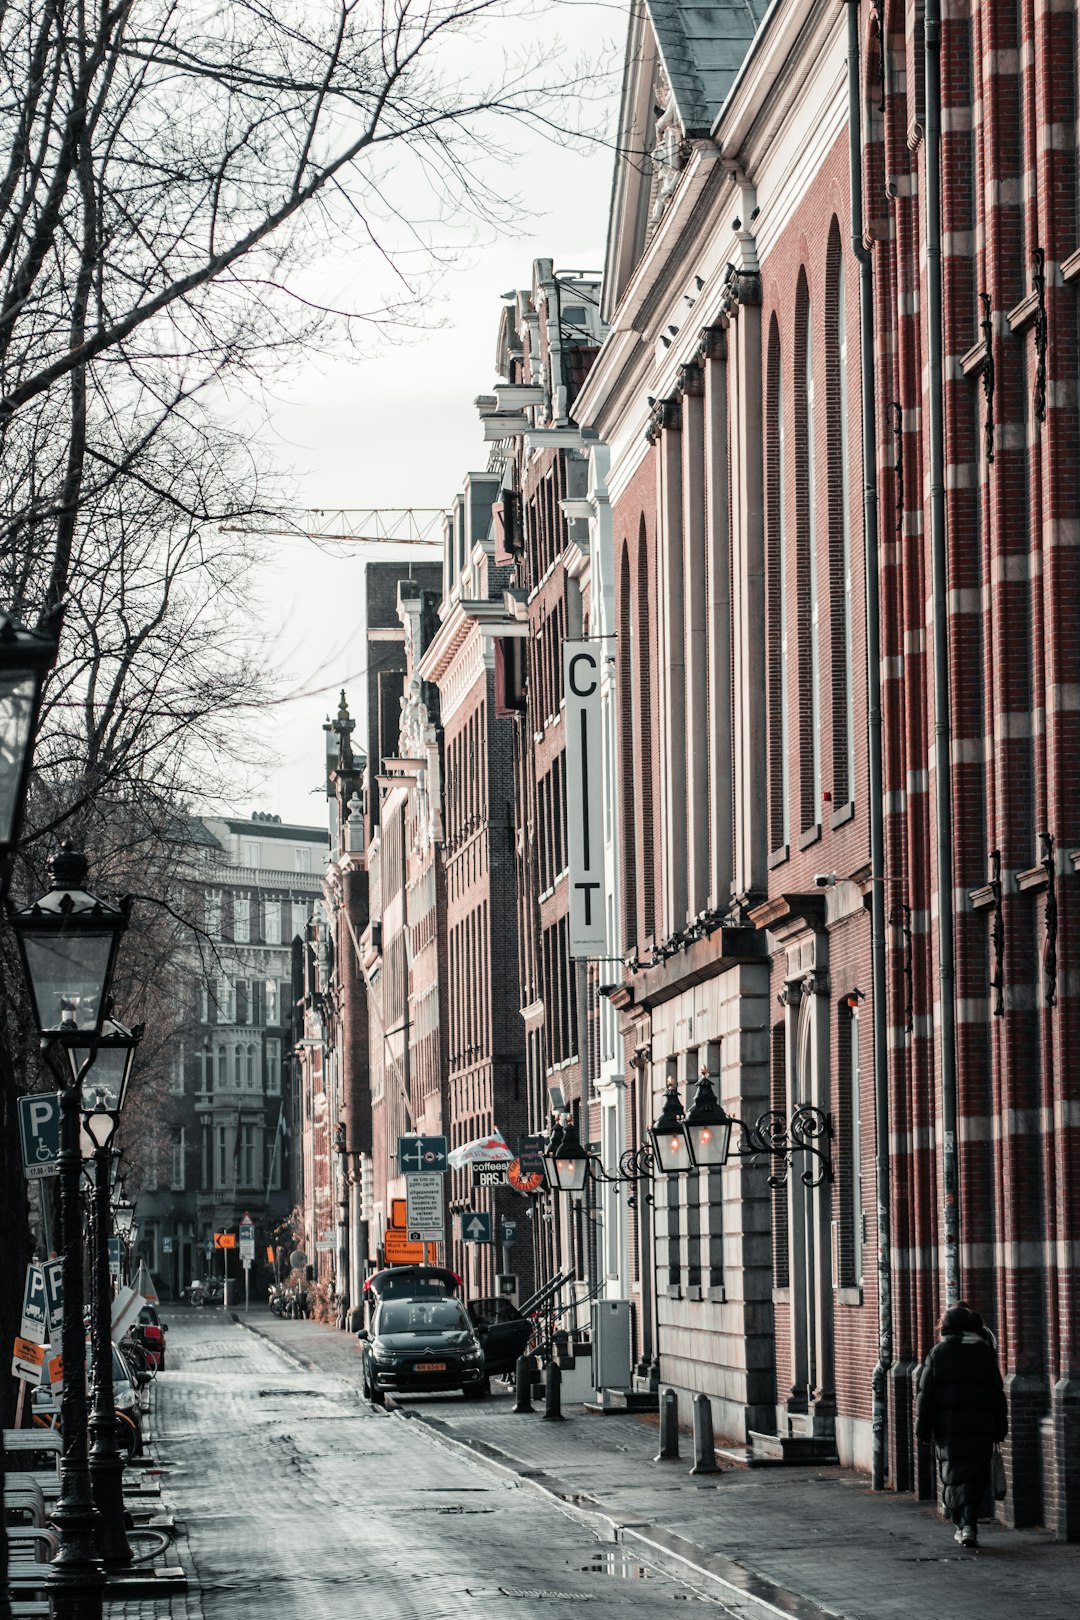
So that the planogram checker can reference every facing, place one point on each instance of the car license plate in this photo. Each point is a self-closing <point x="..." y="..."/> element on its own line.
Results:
<point x="430" y="1366"/>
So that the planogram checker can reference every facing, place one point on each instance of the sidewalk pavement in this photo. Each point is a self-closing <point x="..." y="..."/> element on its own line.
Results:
<point x="801" y="1541"/>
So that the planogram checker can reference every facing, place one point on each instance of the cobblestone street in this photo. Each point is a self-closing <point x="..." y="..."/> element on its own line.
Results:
<point x="808" y="1541"/>
<point x="298" y="1499"/>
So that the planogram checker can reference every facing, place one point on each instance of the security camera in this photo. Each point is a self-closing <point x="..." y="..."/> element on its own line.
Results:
<point x="825" y="880"/>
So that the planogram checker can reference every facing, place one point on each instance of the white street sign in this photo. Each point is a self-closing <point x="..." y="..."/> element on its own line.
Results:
<point x="424" y="1208"/>
<point x="583" y="662"/>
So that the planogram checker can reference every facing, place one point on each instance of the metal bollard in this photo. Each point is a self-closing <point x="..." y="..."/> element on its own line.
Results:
<point x="669" y="1427"/>
<point x="523" y="1377"/>
<point x="704" y="1444"/>
<point x="553" y="1394"/>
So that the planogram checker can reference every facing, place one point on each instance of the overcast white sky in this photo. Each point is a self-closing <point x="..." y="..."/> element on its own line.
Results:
<point x="400" y="429"/>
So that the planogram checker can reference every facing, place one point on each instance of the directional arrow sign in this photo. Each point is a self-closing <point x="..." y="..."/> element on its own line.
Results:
<point x="420" y="1154"/>
<point x="475" y="1226"/>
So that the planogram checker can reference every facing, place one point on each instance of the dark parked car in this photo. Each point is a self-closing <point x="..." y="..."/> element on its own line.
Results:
<point x="422" y="1344"/>
<point x="410" y="1282"/>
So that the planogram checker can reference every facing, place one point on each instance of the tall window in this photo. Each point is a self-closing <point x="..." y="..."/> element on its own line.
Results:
<point x="273" y="1066"/>
<point x="243" y="1001"/>
<point x="223" y="1075"/>
<point x="809" y="604"/>
<point x="777" y="601"/>
<point x="179" y="1160"/>
<point x="299" y="917"/>
<point x="252" y="1069"/>
<point x="246" y="1169"/>
<point x="644" y="678"/>
<point x="242" y="918"/>
<point x="853" y="1079"/>
<point x="303" y="858"/>
<point x="177" y="1076"/>
<point x="213" y="914"/>
<point x="272" y="920"/>
<point x="222" y="1165"/>
<point x="841" y="626"/>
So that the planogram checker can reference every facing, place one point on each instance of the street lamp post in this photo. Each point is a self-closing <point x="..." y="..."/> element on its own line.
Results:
<point x="26" y="656"/>
<point x="68" y="940"/>
<point x="103" y="1099"/>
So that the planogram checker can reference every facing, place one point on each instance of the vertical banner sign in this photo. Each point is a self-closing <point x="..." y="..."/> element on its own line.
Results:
<point x="582" y="667"/>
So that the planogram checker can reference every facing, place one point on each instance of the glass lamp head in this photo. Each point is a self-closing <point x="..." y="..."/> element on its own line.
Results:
<point x="568" y="1162"/>
<point x="669" y="1139"/>
<point x="69" y="940"/>
<point x="708" y="1127"/>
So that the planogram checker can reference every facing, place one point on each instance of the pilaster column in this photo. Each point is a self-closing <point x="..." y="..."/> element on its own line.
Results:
<point x="692" y="390"/>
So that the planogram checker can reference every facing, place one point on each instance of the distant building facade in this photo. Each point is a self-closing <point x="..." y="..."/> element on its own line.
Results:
<point x="228" y="1144"/>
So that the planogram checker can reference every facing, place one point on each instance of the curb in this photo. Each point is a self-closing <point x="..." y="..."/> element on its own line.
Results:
<point x="282" y="1349"/>
<point x="738" y="1582"/>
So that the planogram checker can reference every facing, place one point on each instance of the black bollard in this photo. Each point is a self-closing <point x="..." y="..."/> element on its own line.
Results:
<point x="704" y="1444"/>
<point x="669" y="1427"/>
<point x="553" y="1394"/>
<point x="523" y="1377"/>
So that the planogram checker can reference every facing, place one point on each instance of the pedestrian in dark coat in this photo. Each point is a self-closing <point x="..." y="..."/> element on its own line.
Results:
<point x="962" y="1408"/>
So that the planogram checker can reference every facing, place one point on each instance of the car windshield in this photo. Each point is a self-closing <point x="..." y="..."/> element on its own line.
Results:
<point x="423" y="1316"/>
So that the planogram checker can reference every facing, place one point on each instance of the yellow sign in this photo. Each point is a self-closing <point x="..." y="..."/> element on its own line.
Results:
<point x="224" y="1240"/>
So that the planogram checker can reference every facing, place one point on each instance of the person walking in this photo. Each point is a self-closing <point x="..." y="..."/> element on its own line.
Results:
<point x="962" y="1408"/>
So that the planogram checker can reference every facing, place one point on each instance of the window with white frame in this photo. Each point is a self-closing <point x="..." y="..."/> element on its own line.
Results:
<point x="222" y="1166"/>
<point x="243" y="1001"/>
<point x="213" y="914"/>
<point x="242" y="918"/>
<point x="300" y="911"/>
<point x="224" y="1078"/>
<point x="303" y="858"/>
<point x="272" y="920"/>
<point x="204" y="1003"/>
<point x="271" y="1008"/>
<point x="252" y="854"/>
<point x="179" y="1160"/>
<point x="246" y="1176"/>
<point x="252" y="1068"/>
<point x="177" y="1076"/>
<point x="273" y="1067"/>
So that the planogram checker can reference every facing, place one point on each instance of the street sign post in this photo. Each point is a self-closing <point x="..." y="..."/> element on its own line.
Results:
<point x="424" y="1208"/>
<point x="39" y="1130"/>
<point x="475" y="1226"/>
<point x="35" y="1311"/>
<point x="27" y="1360"/>
<point x="420" y="1154"/>
<point x="490" y="1172"/>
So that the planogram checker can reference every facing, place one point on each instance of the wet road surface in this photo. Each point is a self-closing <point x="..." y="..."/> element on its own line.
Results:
<point x="302" y="1502"/>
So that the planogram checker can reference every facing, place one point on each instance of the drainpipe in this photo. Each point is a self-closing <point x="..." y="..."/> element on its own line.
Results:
<point x="879" y="1467"/>
<point x="939" y="589"/>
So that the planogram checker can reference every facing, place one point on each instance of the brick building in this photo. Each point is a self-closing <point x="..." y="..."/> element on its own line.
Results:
<point x="548" y="338"/>
<point x="464" y="659"/>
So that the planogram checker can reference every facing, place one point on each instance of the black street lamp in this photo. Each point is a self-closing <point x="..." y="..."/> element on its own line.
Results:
<point x="708" y="1127"/>
<point x="69" y="940"/>
<point x="26" y="656"/>
<point x="566" y="1161"/>
<point x="100" y="1124"/>
<point x="670" y="1142"/>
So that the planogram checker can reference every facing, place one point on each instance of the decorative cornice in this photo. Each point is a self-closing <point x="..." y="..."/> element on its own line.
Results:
<point x="666" y="414"/>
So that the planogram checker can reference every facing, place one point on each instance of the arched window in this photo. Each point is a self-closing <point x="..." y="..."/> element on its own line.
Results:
<point x="808" y="603"/>
<point x="777" y="598"/>
<point x="252" y="1071"/>
<point x="627" y="773"/>
<point x="223" y="1068"/>
<point x="840" y="559"/>
<point x="644" y="685"/>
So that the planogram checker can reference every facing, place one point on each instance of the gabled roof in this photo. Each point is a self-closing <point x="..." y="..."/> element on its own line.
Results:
<point x="702" y="47"/>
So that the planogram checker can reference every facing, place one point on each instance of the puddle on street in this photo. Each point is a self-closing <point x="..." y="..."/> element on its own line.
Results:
<point x="610" y="1561"/>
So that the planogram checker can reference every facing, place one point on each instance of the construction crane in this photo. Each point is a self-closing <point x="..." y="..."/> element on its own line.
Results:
<point x="358" y="525"/>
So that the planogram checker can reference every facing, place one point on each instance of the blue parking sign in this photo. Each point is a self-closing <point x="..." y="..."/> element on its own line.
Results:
<point x="39" y="1129"/>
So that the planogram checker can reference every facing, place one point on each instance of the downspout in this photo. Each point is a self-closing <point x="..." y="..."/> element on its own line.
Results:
<point x="939" y="595"/>
<point x="879" y="1467"/>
